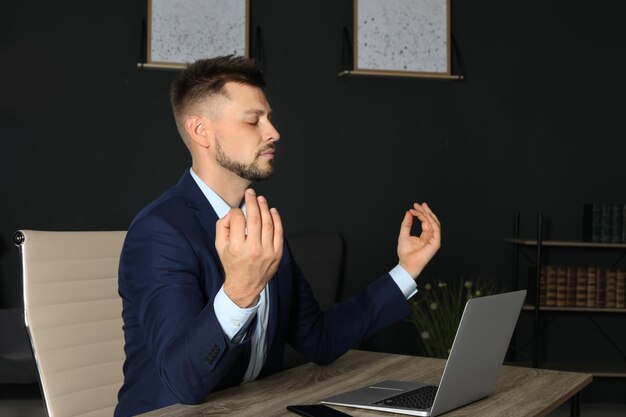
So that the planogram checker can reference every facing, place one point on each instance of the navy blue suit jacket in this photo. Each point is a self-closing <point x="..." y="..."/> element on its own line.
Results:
<point x="176" y="351"/>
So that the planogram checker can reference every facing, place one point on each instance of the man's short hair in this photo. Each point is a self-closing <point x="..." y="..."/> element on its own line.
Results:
<point x="206" y="77"/>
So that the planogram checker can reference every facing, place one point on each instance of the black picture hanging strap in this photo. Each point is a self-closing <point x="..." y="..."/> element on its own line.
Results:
<point x="143" y="45"/>
<point x="457" y="54"/>
<point x="347" y="55"/>
<point x="258" y="52"/>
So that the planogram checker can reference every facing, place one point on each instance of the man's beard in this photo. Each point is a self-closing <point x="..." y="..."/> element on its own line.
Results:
<point x="251" y="172"/>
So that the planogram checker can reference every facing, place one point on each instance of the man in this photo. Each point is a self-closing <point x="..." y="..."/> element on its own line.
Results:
<point x="211" y="293"/>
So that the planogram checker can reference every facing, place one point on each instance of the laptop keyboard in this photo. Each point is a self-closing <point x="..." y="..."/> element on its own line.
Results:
<point x="419" y="398"/>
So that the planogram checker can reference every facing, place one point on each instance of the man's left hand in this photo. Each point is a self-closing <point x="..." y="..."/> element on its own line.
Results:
<point x="416" y="251"/>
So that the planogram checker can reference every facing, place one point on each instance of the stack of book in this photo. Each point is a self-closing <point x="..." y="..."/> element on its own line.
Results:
<point x="582" y="286"/>
<point x="604" y="223"/>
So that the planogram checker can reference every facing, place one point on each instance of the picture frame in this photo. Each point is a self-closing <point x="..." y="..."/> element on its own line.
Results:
<point x="402" y="38"/>
<point x="182" y="31"/>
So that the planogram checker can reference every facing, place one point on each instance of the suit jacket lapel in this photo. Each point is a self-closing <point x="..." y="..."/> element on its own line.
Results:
<point x="204" y="211"/>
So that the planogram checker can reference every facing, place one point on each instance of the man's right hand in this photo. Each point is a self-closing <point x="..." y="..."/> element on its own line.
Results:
<point x="250" y="250"/>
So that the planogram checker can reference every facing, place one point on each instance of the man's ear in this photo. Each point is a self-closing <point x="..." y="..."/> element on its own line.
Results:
<point x="199" y="130"/>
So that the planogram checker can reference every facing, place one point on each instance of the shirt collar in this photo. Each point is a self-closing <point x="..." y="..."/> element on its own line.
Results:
<point x="219" y="205"/>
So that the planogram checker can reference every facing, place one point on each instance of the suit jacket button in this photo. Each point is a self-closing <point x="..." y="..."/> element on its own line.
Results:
<point x="212" y="355"/>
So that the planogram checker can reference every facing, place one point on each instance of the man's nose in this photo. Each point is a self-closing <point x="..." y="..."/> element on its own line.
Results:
<point x="272" y="134"/>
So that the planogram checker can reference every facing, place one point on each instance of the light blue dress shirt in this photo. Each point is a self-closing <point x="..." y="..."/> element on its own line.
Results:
<point x="236" y="320"/>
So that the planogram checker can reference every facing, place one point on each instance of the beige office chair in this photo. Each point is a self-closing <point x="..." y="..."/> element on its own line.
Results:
<point x="73" y="315"/>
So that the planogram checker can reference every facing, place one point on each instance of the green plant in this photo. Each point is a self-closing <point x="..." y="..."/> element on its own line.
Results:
<point x="436" y="312"/>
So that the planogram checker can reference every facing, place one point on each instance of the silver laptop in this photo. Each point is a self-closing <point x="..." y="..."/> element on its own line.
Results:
<point x="470" y="374"/>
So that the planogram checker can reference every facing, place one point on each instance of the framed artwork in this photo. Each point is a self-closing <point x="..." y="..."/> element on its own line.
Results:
<point x="182" y="31"/>
<point x="402" y="37"/>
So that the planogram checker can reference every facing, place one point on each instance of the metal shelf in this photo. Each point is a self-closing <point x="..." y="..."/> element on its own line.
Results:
<point x="567" y="243"/>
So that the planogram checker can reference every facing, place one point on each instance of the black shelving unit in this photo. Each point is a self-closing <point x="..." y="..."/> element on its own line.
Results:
<point x="539" y="246"/>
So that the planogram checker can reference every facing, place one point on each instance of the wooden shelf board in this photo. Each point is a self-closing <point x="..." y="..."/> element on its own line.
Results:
<point x="616" y="370"/>
<point x="530" y="307"/>
<point x="405" y="74"/>
<point x="567" y="243"/>
<point x="160" y="66"/>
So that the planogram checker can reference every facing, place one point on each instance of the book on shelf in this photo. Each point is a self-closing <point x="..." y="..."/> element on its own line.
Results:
<point x="620" y="300"/>
<point x="581" y="286"/>
<point x="571" y="287"/>
<point x="561" y="286"/>
<point x="611" y="288"/>
<point x="592" y="274"/>
<point x="606" y="230"/>
<point x="591" y="222"/>
<point x="601" y="287"/>
<point x="616" y="223"/>
<point x="604" y="223"/>
<point x="597" y="222"/>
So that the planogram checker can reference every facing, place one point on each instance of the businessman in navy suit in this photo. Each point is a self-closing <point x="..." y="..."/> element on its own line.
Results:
<point x="211" y="293"/>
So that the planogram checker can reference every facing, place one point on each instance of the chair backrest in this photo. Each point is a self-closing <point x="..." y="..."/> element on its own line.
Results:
<point x="73" y="315"/>
<point x="320" y="256"/>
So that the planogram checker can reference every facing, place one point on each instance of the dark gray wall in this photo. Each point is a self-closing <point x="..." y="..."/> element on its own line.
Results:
<point x="88" y="139"/>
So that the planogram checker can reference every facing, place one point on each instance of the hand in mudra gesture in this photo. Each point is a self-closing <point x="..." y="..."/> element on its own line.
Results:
<point x="249" y="248"/>
<point x="416" y="251"/>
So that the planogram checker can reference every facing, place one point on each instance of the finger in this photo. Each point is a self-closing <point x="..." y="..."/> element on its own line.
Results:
<point x="436" y="224"/>
<point x="420" y="214"/>
<point x="424" y="208"/>
<point x="237" y="226"/>
<point x="428" y="223"/>
<point x="253" y="216"/>
<point x="267" y="223"/>
<point x="278" y="231"/>
<point x="222" y="231"/>
<point x="418" y="207"/>
<point x="428" y="210"/>
<point x="431" y="229"/>
<point x="405" y="226"/>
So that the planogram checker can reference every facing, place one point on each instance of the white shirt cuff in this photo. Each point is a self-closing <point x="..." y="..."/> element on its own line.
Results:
<point x="233" y="319"/>
<point x="405" y="282"/>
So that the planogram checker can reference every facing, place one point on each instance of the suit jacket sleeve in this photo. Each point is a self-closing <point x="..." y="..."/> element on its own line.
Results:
<point x="324" y="336"/>
<point x="176" y="319"/>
